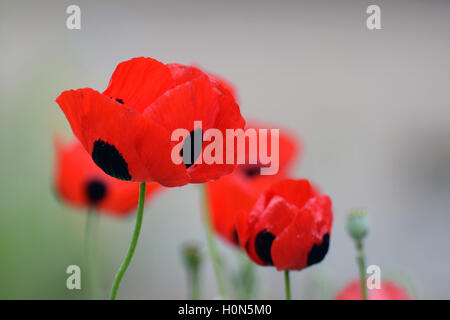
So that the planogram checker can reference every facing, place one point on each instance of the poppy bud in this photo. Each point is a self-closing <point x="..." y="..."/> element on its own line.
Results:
<point x="192" y="257"/>
<point x="289" y="227"/>
<point x="357" y="224"/>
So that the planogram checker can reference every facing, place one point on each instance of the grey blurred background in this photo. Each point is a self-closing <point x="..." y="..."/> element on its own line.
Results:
<point x="372" y="109"/>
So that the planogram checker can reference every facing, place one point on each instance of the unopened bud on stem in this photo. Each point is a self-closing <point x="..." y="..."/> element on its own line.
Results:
<point x="192" y="257"/>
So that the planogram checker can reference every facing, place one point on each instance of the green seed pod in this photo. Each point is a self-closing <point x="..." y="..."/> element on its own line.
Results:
<point x="357" y="224"/>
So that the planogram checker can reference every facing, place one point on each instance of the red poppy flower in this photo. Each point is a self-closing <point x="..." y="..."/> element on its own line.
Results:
<point x="127" y="129"/>
<point x="289" y="226"/>
<point x="81" y="183"/>
<point x="388" y="291"/>
<point x="240" y="190"/>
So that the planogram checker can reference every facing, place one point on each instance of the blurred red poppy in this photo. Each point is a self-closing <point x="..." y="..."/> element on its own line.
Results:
<point x="240" y="190"/>
<point x="289" y="227"/>
<point x="79" y="182"/>
<point x="388" y="291"/>
<point x="127" y="128"/>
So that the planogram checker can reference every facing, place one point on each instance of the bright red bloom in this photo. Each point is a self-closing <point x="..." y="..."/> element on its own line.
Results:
<point x="81" y="183"/>
<point x="127" y="128"/>
<point x="388" y="291"/>
<point x="289" y="226"/>
<point x="239" y="191"/>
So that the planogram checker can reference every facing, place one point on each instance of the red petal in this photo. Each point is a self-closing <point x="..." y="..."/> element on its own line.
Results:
<point x="138" y="82"/>
<point x="228" y="117"/>
<point x="180" y="107"/>
<point x="124" y="196"/>
<point x="387" y="291"/>
<point x="292" y="246"/>
<point x="143" y="144"/>
<point x="182" y="74"/>
<point x="276" y="216"/>
<point x="244" y="226"/>
<point x="227" y="196"/>
<point x="274" y="219"/>
<point x="198" y="100"/>
<point x="74" y="169"/>
<point x="297" y="192"/>
<point x="289" y="146"/>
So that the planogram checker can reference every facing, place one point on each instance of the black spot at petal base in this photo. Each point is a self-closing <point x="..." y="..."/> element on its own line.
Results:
<point x="95" y="191"/>
<point x="235" y="237"/>
<point x="119" y="101"/>
<point x="252" y="171"/>
<point x="318" y="252"/>
<point x="108" y="158"/>
<point x="191" y="148"/>
<point x="263" y="245"/>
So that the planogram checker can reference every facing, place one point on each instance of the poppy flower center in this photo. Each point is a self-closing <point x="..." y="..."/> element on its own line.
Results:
<point x="192" y="147"/>
<point x="263" y="245"/>
<point x="318" y="252"/>
<point x="108" y="158"/>
<point x="95" y="190"/>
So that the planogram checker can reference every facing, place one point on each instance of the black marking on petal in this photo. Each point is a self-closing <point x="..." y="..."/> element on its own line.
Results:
<point x="95" y="190"/>
<point x="119" y="100"/>
<point x="235" y="237"/>
<point x="263" y="245"/>
<point x="252" y="171"/>
<point x="192" y="148"/>
<point x="318" y="252"/>
<point x="108" y="158"/>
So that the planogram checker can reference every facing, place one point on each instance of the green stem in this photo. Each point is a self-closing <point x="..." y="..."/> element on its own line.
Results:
<point x="89" y="250"/>
<point x="195" y="285"/>
<point x="245" y="278"/>
<point x="287" y="284"/>
<point x="212" y="245"/>
<point x="361" y="259"/>
<point x="132" y="248"/>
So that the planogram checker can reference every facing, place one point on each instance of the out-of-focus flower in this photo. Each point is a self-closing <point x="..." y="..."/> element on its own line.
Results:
<point x="240" y="190"/>
<point x="388" y="291"/>
<point x="79" y="182"/>
<point x="127" y="129"/>
<point x="289" y="227"/>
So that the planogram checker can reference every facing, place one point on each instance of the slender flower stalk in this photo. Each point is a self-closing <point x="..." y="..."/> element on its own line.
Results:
<point x="212" y="245"/>
<point x="195" y="286"/>
<point x="361" y="259"/>
<point x="137" y="228"/>
<point x="358" y="227"/>
<point x="244" y="279"/>
<point x="287" y="284"/>
<point x="89" y="250"/>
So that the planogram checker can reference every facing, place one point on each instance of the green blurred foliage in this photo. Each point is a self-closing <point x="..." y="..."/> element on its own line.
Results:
<point x="39" y="236"/>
